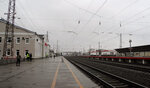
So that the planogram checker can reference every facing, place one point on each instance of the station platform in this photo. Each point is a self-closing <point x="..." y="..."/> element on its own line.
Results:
<point x="44" y="73"/>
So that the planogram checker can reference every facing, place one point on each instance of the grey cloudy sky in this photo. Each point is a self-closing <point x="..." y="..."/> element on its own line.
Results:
<point x="77" y="24"/>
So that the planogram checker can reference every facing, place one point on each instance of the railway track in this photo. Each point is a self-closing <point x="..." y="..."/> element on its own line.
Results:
<point x="145" y="69"/>
<point x="108" y="80"/>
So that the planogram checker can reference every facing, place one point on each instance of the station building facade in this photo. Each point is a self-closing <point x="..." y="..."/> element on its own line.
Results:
<point x="25" y="41"/>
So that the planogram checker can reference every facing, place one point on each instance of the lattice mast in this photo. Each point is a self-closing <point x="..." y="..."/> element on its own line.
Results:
<point x="9" y="29"/>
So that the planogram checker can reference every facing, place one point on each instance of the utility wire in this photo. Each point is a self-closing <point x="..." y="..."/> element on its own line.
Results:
<point x="3" y="6"/>
<point x="97" y="11"/>
<point x="87" y="11"/>
<point x="23" y="11"/>
<point x="94" y="14"/>
<point x="130" y="18"/>
<point x="28" y="16"/>
<point x="135" y="15"/>
<point x="83" y="10"/>
<point x="122" y="10"/>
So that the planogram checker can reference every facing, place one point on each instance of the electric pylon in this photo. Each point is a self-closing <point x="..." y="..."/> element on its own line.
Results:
<point x="9" y="29"/>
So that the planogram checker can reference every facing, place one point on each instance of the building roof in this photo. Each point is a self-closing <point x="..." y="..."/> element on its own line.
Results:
<point x="134" y="49"/>
<point x="4" y="21"/>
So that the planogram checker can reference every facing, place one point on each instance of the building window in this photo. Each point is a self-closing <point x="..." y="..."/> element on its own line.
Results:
<point x="27" y="41"/>
<point x="9" y="39"/>
<point x="0" y="39"/>
<point x="8" y="52"/>
<point x="17" y="52"/>
<point x="18" y="40"/>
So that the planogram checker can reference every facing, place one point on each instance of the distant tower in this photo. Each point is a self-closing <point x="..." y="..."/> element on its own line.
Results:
<point x="47" y="37"/>
<point x="9" y="29"/>
<point x="57" y="47"/>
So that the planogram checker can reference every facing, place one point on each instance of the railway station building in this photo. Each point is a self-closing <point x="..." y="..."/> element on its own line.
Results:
<point x="25" y="41"/>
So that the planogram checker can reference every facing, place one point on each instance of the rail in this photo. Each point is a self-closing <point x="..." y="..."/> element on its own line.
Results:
<point x="107" y="79"/>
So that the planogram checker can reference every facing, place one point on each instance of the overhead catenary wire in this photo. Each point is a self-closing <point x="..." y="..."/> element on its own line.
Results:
<point x="80" y="10"/>
<point x="130" y="18"/>
<point x="122" y="10"/>
<point x="4" y="7"/>
<point x="94" y="15"/>
<point x="125" y="22"/>
<point x="25" y="14"/>
<point x="87" y="11"/>
<point x="79" y="22"/>
<point x="125" y="8"/>
<point x="130" y="5"/>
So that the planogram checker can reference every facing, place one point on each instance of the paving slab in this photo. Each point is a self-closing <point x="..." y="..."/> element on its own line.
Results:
<point x="44" y="73"/>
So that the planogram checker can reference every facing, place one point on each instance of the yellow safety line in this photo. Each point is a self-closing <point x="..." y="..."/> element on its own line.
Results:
<point x="55" y="77"/>
<point x="74" y="76"/>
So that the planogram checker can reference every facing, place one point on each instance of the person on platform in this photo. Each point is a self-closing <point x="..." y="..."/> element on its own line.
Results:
<point x="54" y="56"/>
<point x="18" y="60"/>
<point x="30" y="56"/>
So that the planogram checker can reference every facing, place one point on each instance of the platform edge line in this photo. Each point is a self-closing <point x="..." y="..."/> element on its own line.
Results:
<point x="55" y="77"/>
<point x="74" y="76"/>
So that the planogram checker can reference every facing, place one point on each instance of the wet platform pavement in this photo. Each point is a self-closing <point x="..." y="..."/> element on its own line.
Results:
<point x="44" y="73"/>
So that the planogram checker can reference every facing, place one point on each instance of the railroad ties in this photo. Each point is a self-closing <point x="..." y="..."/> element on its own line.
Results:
<point x="104" y="78"/>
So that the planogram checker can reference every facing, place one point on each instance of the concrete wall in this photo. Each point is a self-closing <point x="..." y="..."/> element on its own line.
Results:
<point x="2" y="28"/>
<point x="38" y="47"/>
<point x="46" y="47"/>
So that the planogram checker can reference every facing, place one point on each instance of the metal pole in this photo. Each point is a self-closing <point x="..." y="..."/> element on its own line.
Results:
<point x="43" y="47"/>
<point x="120" y="36"/>
<point x="130" y="46"/>
<point x="57" y="47"/>
<point x="99" y="48"/>
<point x="120" y="40"/>
<point x="99" y="41"/>
<point x="89" y="49"/>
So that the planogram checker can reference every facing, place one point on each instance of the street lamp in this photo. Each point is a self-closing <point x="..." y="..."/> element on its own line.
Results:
<point x="130" y="46"/>
<point x="99" y="51"/>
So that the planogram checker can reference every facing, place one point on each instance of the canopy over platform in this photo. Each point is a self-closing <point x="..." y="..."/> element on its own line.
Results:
<point x="134" y="49"/>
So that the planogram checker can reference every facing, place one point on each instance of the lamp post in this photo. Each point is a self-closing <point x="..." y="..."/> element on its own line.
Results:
<point x="130" y="46"/>
<point x="43" y="47"/>
<point x="99" y="48"/>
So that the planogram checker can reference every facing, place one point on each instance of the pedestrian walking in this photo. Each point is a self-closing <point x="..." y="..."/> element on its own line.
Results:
<point x="30" y="56"/>
<point x="27" y="56"/>
<point x="54" y="56"/>
<point x="62" y="60"/>
<point x="18" y="60"/>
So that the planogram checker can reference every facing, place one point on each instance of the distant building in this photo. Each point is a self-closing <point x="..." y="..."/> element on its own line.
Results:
<point x="25" y="41"/>
<point x="136" y="51"/>
<point x="103" y="52"/>
<point x="71" y="53"/>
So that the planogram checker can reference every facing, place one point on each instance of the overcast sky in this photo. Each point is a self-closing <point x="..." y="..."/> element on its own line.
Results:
<point x="78" y="24"/>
